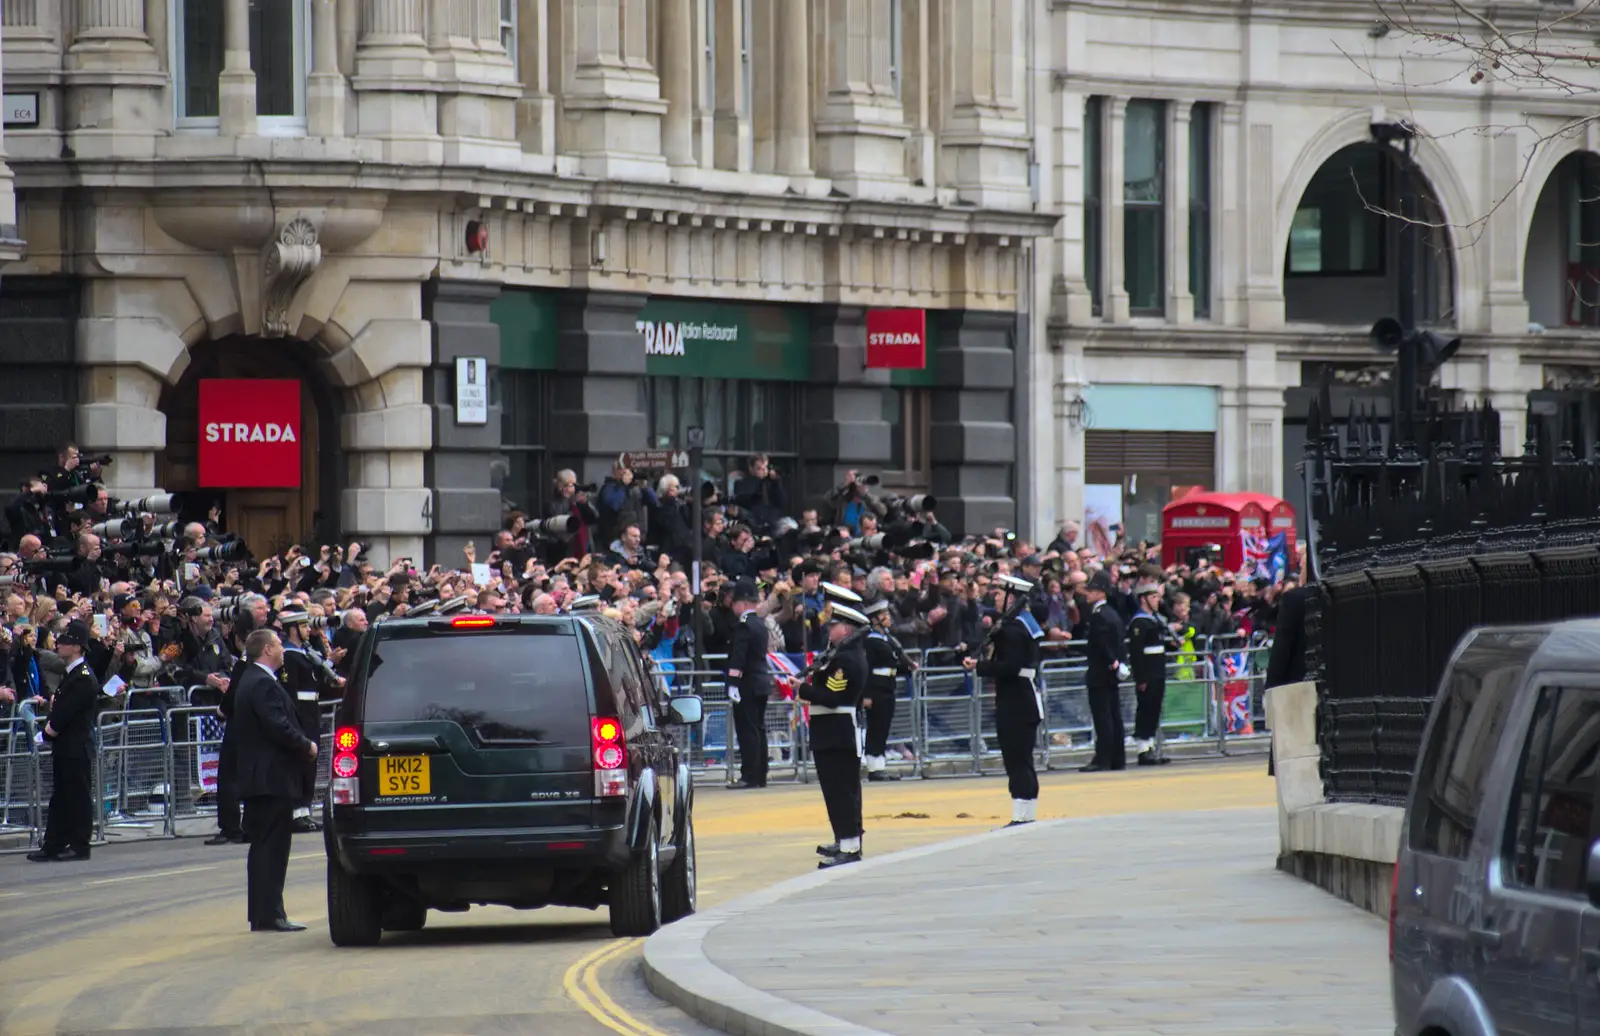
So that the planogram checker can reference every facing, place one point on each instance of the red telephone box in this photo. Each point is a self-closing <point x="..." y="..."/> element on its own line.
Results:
<point x="1233" y="522"/>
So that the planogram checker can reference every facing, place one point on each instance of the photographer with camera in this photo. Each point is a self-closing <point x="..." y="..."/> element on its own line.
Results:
<point x="760" y="494"/>
<point x="625" y="500"/>
<point x="853" y="499"/>
<point x="738" y="561"/>
<point x="30" y="513"/>
<point x="570" y="500"/>
<point x="671" y="525"/>
<point x="73" y="469"/>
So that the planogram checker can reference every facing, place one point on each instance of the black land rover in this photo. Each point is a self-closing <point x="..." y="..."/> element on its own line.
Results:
<point x="524" y="760"/>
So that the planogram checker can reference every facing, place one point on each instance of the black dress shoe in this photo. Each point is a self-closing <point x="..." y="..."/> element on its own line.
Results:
<point x="76" y="854"/>
<point x="224" y="838"/>
<point x="1019" y="823"/>
<point x="282" y="924"/>
<point x="741" y="785"/>
<point x="882" y="775"/>
<point x="305" y="826"/>
<point x="1091" y="768"/>
<point x="45" y="856"/>
<point x="828" y="850"/>
<point x="838" y="861"/>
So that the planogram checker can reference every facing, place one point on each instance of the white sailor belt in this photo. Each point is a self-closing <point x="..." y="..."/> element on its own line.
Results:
<point x="306" y="695"/>
<point x="1027" y="674"/>
<point x="888" y="671"/>
<point x="1155" y="649"/>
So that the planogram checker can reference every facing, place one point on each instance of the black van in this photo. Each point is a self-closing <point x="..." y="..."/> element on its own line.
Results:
<point x="525" y="761"/>
<point x="1494" y="918"/>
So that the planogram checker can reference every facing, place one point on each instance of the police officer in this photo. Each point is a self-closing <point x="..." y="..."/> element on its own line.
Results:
<point x="300" y="673"/>
<point x="1018" y="707"/>
<point x="1148" y="639"/>
<point x="1108" y="665"/>
<point x="887" y="662"/>
<point x="70" y="731"/>
<point x="749" y="685"/>
<point x="834" y="691"/>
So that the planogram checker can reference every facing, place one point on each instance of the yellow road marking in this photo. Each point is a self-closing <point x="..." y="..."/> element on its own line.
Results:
<point x="582" y="984"/>
<point x="153" y="874"/>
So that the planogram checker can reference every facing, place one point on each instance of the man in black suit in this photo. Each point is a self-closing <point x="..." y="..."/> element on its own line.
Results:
<point x="272" y="751"/>
<point x="70" y="731"/>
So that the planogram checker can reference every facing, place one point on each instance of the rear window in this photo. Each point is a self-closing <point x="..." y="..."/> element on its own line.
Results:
<point x="523" y="688"/>
<point x="1474" y="704"/>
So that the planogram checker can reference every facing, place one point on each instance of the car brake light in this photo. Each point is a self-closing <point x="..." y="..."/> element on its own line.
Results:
<point x="610" y="758"/>
<point x="344" y="787"/>
<point x="472" y="622"/>
<point x="1394" y="901"/>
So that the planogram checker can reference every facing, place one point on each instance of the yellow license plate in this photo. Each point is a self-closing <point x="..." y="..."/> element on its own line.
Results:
<point x="404" y="775"/>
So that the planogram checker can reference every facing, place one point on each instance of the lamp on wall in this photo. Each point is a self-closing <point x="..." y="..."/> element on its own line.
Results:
<point x="1079" y="415"/>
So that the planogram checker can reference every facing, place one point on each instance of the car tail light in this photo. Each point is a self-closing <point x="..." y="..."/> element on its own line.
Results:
<point x="610" y="758"/>
<point x="344" y="785"/>
<point x="1394" y="901"/>
<point x="472" y="622"/>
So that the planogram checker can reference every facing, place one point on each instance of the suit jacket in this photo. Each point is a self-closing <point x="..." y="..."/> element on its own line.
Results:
<point x="1287" y="662"/>
<point x="270" y="745"/>
<point x="72" y="714"/>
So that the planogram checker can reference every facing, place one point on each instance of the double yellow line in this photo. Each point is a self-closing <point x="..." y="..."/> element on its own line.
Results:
<point x="582" y="984"/>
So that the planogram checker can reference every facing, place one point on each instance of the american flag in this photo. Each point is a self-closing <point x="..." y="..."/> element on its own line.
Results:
<point x="206" y="733"/>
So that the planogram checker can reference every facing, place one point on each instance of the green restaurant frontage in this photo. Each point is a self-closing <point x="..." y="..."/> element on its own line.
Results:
<point x="581" y="377"/>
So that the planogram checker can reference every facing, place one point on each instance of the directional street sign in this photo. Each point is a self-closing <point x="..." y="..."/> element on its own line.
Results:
<point x="654" y="460"/>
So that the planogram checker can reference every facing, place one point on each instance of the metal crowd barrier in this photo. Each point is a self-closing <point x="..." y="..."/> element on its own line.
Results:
<point x="156" y="755"/>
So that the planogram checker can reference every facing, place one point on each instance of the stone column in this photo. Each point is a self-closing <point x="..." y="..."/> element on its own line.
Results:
<point x="987" y="134"/>
<point x="861" y="129"/>
<point x="920" y="83"/>
<point x="844" y="421"/>
<point x="1113" y="279"/>
<point x="457" y="470"/>
<point x="733" y="107"/>
<point x="11" y="247"/>
<point x="33" y="54"/>
<point x="598" y="412"/>
<point x="396" y="83"/>
<point x="1180" y="301"/>
<point x="477" y="82"/>
<point x="1262" y="254"/>
<point x="536" y="107"/>
<point x="1506" y="305"/>
<point x="325" y="88"/>
<point x="612" y="111"/>
<point x="792" y="41"/>
<point x="114" y="82"/>
<point x="972" y="442"/>
<point x="237" y="85"/>
<point x="675" y="53"/>
<point x="1228" y="308"/>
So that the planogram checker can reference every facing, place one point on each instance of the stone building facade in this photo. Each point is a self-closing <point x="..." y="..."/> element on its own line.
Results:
<point x="1225" y="237"/>
<point x="353" y="194"/>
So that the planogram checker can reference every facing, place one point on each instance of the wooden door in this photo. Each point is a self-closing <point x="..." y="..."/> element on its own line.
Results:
<point x="269" y="520"/>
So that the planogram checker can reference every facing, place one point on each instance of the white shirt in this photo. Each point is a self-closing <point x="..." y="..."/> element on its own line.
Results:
<point x="270" y="672"/>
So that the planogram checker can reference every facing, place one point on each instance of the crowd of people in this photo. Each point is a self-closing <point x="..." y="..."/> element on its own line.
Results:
<point x="169" y="603"/>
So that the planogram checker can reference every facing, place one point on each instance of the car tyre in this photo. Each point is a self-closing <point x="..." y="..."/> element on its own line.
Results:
<point x="680" y="886"/>
<point x="404" y="914"/>
<point x="355" y="908"/>
<point x="636" y="891"/>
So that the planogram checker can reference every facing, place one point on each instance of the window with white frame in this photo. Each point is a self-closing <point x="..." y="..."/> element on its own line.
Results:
<point x="508" y="32"/>
<point x="280" y="40"/>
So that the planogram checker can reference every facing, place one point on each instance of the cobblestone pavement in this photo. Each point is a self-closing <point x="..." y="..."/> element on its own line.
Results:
<point x="1149" y="924"/>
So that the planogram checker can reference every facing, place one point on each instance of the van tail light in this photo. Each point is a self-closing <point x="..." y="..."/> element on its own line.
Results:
<point x="1394" y="901"/>
<point x="610" y="758"/>
<point x="344" y="772"/>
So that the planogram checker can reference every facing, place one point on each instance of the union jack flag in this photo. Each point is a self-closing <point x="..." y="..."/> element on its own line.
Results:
<point x="1266" y="557"/>
<point x="785" y="674"/>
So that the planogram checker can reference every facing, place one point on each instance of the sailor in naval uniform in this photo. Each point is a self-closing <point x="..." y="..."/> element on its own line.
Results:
<point x="1018" y="707"/>
<point x="834" y="691"/>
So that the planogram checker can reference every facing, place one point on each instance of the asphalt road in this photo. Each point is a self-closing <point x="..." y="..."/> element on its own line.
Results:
<point x="150" y="937"/>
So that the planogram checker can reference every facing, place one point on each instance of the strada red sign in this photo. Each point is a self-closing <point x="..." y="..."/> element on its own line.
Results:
<point x="897" y="339"/>
<point x="249" y="433"/>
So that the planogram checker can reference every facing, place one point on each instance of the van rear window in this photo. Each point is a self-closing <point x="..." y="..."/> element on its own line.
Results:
<point x="511" y="687"/>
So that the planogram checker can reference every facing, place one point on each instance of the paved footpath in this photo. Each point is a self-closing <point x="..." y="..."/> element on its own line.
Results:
<point x="1160" y="923"/>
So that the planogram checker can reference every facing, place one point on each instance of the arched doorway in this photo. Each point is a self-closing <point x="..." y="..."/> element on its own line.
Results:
<point x="269" y="520"/>
<point x="1561" y="265"/>
<point x="1342" y="260"/>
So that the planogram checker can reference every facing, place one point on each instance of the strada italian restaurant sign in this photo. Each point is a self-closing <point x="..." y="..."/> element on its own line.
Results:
<point x="897" y="339"/>
<point x="249" y="433"/>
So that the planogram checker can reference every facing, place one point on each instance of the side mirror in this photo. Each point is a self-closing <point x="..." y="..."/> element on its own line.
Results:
<point x="688" y="711"/>
<point x="1592" y="875"/>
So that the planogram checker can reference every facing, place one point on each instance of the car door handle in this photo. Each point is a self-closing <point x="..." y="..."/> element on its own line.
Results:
<point x="403" y="745"/>
<point x="1488" y="938"/>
